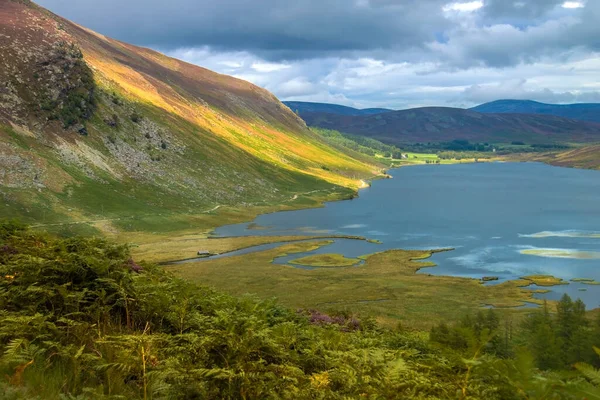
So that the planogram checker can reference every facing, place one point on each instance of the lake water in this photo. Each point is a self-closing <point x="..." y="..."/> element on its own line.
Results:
<point x="503" y="219"/>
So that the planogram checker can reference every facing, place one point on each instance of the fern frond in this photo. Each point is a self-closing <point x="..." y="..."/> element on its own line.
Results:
<point x="592" y="374"/>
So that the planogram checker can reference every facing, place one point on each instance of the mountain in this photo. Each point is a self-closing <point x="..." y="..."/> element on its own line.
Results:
<point x="437" y="124"/>
<point x="302" y="107"/>
<point x="581" y="111"/>
<point x="92" y="128"/>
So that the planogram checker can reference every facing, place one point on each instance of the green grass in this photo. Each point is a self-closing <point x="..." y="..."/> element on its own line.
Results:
<point x="433" y="158"/>
<point x="386" y="286"/>
<point x="544" y="280"/>
<point x="163" y="248"/>
<point x="325" y="261"/>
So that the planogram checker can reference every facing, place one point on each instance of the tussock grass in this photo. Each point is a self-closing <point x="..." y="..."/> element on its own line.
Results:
<point x="387" y="286"/>
<point x="325" y="260"/>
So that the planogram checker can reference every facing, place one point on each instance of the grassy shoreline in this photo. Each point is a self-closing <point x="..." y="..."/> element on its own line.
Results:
<point x="386" y="287"/>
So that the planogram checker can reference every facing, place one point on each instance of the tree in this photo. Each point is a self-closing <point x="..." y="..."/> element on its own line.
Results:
<point x="571" y="331"/>
<point x="542" y="339"/>
<point x="595" y="337"/>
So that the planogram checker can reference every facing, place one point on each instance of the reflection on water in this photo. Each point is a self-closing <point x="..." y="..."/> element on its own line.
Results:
<point x="503" y="219"/>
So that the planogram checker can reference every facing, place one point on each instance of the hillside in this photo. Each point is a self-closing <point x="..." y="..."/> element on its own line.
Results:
<point x="587" y="157"/>
<point x="581" y="111"/>
<point x="95" y="129"/>
<point x="436" y="124"/>
<point x="302" y="107"/>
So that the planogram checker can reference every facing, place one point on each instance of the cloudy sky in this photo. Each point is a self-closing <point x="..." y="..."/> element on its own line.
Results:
<point x="372" y="53"/>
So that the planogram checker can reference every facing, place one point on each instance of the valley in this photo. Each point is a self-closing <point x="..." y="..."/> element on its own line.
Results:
<point x="163" y="167"/>
<point x="171" y="232"/>
<point x="422" y="208"/>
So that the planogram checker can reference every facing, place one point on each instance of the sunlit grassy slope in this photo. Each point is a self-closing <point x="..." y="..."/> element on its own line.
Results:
<point x="587" y="157"/>
<point x="165" y="138"/>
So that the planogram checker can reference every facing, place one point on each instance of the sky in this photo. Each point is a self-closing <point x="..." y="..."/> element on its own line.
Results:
<point x="372" y="53"/>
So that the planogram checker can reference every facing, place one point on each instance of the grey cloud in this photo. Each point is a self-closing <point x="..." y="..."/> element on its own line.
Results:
<point x="370" y="53"/>
<point x="501" y="33"/>
<point x="273" y="28"/>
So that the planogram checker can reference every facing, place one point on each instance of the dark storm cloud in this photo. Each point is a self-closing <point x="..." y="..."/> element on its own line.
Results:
<point x="275" y="28"/>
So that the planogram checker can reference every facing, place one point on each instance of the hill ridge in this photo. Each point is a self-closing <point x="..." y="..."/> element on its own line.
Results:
<point x="437" y="124"/>
<point x="306" y="106"/>
<point x="580" y="111"/>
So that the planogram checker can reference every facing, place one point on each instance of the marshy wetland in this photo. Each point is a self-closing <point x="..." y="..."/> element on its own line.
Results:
<point x="534" y="227"/>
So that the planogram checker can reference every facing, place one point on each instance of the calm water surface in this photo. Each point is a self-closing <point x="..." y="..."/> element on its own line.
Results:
<point x="504" y="219"/>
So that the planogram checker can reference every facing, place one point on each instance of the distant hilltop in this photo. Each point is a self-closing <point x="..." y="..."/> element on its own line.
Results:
<point x="580" y="111"/>
<point x="303" y="107"/>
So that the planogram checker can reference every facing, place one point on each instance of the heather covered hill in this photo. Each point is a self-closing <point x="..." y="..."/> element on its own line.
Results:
<point x="438" y="124"/>
<point x="580" y="111"/>
<point x="90" y="127"/>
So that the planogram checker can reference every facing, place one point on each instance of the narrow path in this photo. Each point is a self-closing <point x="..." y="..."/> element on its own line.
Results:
<point x="295" y="197"/>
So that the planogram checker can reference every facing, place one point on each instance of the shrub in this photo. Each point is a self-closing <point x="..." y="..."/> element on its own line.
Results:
<point x="135" y="117"/>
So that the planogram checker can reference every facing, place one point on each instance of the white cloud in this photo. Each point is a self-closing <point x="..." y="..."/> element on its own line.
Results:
<point x="268" y="67"/>
<point x="230" y="64"/>
<point x="463" y="7"/>
<point x="371" y="82"/>
<point x="573" y="4"/>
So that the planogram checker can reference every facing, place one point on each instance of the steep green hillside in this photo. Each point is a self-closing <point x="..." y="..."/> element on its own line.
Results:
<point x="92" y="129"/>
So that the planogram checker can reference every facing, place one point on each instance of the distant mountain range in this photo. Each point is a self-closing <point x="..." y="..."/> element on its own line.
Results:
<point x="438" y="124"/>
<point x="581" y="111"/>
<point x="304" y="107"/>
